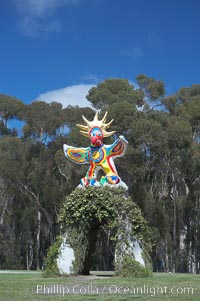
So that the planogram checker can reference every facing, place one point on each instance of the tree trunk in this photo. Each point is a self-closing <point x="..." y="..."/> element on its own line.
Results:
<point x="174" y="237"/>
<point x="173" y="195"/>
<point x="38" y="238"/>
<point x="3" y="211"/>
<point x="166" y="257"/>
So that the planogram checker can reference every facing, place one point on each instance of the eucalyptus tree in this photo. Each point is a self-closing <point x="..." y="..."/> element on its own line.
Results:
<point x="10" y="108"/>
<point x="160" y="159"/>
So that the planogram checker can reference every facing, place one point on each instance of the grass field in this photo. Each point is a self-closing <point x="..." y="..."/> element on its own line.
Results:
<point x="21" y="286"/>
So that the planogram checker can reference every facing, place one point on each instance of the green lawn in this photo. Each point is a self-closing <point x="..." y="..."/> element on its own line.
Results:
<point x="23" y="286"/>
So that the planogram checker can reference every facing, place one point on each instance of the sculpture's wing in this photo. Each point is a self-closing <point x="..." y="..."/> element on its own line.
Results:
<point x="118" y="148"/>
<point x="76" y="154"/>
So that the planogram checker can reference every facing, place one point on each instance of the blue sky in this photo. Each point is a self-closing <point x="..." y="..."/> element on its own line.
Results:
<point x="70" y="45"/>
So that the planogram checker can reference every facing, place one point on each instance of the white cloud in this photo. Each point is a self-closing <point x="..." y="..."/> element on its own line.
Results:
<point x="92" y="78"/>
<point x="41" y="8"/>
<point x="37" y="16"/>
<point x="134" y="52"/>
<point x="72" y="95"/>
<point x="30" y="26"/>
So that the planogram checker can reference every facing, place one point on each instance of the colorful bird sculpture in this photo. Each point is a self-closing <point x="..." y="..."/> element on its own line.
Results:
<point x="98" y="155"/>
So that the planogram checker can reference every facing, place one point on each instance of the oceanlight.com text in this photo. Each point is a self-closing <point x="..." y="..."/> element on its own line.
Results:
<point x="58" y="289"/>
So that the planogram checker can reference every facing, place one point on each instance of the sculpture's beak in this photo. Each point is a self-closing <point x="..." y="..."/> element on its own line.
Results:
<point x="96" y="141"/>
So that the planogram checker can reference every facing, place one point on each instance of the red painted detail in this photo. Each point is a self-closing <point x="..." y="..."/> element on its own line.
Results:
<point x="117" y="147"/>
<point x="108" y="160"/>
<point x="92" y="166"/>
<point x="119" y="152"/>
<point x="95" y="140"/>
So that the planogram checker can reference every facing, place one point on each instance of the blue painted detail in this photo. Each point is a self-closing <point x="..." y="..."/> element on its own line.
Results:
<point x="92" y="182"/>
<point x="96" y="131"/>
<point x="100" y="151"/>
<point x="114" y="179"/>
<point x="76" y="155"/>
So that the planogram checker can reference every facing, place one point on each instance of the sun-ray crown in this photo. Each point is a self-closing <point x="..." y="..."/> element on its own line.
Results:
<point x="85" y="129"/>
